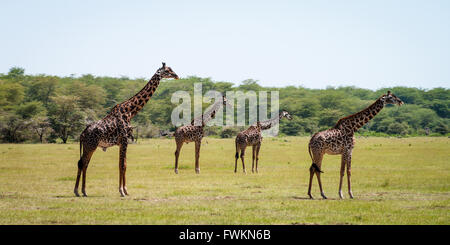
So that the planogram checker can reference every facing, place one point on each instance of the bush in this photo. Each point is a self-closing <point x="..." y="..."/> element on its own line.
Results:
<point x="146" y="131"/>
<point x="398" y="128"/>
<point x="212" y="131"/>
<point x="441" y="128"/>
<point x="229" y="132"/>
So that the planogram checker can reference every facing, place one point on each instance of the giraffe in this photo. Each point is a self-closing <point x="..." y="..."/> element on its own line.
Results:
<point x="252" y="137"/>
<point x="115" y="129"/>
<point x="340" y="140"/>
<point x="194" y="133"/>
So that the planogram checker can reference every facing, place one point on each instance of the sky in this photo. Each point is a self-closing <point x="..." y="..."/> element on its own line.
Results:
<point x="314" y="44"/>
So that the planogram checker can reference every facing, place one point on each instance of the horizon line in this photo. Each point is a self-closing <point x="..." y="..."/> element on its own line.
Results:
<point x="237" y="84"/>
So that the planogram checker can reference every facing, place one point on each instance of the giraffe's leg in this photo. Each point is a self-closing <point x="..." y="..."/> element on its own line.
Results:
<point x="125" y="191"/>
<point x="320" y="185"/>
<point x="80" y="167"/>
<point x="253" y="157"/>
<point x="257" y="156"/>
<point x="343" y="163"/>
<point x="197" y="156"/>
<point x="177" y="155"/>
<point x="311" y="176"/>
<point x="242" y="158"/>
<point x="349" y="173"/>
<point x="122" y="166"/>
<point x="83" y="182"/>
<point x="75" y="190"/>
<point x="86" y="158"/>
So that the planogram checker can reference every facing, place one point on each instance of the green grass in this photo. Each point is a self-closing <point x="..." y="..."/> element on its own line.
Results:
<point x="395" y="181"/>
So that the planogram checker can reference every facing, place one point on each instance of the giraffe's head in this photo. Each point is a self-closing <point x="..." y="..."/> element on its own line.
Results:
<point x="166" y="72"/>
<point x="227" y="103"/>
<point x="224" y="100"/>
<point x="286" y="114"/>
<point x="390" y="98"/>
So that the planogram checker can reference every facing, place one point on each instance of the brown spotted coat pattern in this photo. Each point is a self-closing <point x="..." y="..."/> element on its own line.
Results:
<point x="194" y="133"/>
<point x="340" y="140"/>
<point x="252" y="137"/>
<point x="115" y="129"/>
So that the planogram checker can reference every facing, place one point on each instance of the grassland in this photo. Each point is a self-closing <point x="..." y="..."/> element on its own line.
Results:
<point x="395" y="181"/>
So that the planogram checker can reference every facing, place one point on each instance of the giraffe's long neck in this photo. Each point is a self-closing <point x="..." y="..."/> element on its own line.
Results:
<point x="354" y="122"/>
<point x="208" y="115"/>
<point x="137" y="102"/>
<point x="271" y="122"/>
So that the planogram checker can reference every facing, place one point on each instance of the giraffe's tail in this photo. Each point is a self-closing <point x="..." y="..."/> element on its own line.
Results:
<point x="80" y="162"/>
<point x="309" y="150"/>
<point x="314" y="166"/>
<point x="237" y="150"/>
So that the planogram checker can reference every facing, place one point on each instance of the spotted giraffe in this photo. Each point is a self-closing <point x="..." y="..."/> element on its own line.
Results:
<point x="115" y="129"/>
<point x="194" y="133"/>
<point x="340" y="140"/>
<point x="252" y="137"/>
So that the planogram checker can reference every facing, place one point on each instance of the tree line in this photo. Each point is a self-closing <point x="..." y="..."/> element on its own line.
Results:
<point x="45" y="108"/>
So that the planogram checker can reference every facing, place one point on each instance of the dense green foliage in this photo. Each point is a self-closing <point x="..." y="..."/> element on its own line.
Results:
<point x="49" y="108"/>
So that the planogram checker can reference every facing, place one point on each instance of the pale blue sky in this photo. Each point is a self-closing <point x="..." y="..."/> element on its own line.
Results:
<point x="369" y="44"/>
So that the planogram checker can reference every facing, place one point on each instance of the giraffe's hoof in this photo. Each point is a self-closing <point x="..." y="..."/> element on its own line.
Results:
<point x="176" y="171"/>
<point x="197" y="170"/>
<point x="340" y="195"/>
<point x="351" y="195"/>
<point x="76" y="193"/>
<point x="122" y="194"/>
<point x="310" y="196"/>
<point x="323" y="195"/>
<point x="125" y="191"/>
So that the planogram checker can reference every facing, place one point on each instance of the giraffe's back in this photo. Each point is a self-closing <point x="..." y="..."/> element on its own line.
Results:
<point x="105" y="133"/>
<point x="331" y="141"/>
<point x="188" y="133"/>
<point x="249" y="137"/>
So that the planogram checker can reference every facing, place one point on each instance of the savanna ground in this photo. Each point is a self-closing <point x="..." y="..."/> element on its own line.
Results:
<point x="395" y="181"/>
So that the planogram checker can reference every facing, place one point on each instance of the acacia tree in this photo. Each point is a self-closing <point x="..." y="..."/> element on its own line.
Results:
<point x="90" y="97"/>
<point x="12" y="127"/>
<point x="11" y="94"/>
<point x="14" y="123"/>
<point x="65" y="116"/>
<point x="42" y="88"/>
<point x="16" y="73"/>
<point x="41" y="126"/>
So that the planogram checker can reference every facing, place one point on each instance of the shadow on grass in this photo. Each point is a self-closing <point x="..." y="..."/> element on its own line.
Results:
<point x="314" y="199"/>
<point x="301" y="198"/>
<point x="73" y="196"/>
